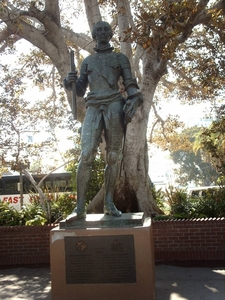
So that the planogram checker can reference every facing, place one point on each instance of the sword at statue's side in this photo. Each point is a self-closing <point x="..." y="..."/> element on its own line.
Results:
<point x="74" y="102"/>
<point x="123" y="149"/>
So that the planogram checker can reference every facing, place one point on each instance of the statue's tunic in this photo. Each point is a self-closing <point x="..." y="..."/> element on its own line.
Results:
<point x="102" y="71"/>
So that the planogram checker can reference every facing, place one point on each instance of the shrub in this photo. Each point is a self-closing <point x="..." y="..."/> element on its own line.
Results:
<point x="212" y="204"/>
<point x="32" y="214"/>
<point x="37" y="221"/>
<point x="180" y="206"/>
<point x="159" y="197"/>
<point x="58" y="205"/>
<point x="9" y="216"/>
<point x="62" y="206"/>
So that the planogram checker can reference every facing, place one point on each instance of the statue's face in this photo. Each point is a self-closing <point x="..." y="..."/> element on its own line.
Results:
<point x="103" y="33"/>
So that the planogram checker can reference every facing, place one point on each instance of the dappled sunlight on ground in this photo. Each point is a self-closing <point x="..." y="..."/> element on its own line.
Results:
<point x="24" y="284"/>
<point x="176" y="283"/>
<point x="221" y="272"/>
<point x="175" y="296"/>
<point x="212" y="289"/>
<point x="172" y="283"/>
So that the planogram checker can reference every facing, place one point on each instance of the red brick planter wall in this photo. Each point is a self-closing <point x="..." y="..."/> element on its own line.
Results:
<point x="180" y="241"/>
<point x="24" y="245"/>
<point x="189" y="240"/>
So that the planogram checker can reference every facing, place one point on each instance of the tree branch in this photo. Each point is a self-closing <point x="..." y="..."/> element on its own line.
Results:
<point x="92" y="12"/>
<point x="124" y="22"/>
<point x="81" y="40"/>
<point x="6" y="37"/>
<point x="193" y="21"/>
<point x="52" y="7"/>
<point x="220" y="5"/>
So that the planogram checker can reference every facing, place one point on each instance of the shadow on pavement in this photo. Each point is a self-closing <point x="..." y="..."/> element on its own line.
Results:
<point x="189" y="283"/>
<point x="172" y="283"/>
<point x="25" y="283"/>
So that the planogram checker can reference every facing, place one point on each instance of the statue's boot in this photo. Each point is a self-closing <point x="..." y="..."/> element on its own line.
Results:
<point x="110" y="209"/>
<point x="111" y="174"/>
<point x="77" y="214"/>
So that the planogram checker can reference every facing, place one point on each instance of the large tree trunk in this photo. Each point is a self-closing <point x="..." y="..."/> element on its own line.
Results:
<point x="133" y="190"/>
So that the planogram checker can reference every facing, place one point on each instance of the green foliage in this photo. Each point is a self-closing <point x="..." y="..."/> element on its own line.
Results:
<point x="37" y="221"/>
<point x="62" y="206"/>
<point x="159" y="197"/>
<point x="32" y="214"/>
<point x="180" y="207"/>
<point x="211" y="142"/>
<point x="211" y="204"/>
<point x="59" y="205"/>
<point x="97" y="177"/>
<point x="9" y="216"/>
<point x="174" y="202"/>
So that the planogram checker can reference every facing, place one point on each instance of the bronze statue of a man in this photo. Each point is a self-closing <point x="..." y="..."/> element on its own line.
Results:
<point x="107" y="110"/>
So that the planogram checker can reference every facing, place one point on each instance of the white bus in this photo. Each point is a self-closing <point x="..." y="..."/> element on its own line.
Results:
<point x="9" y="187"/>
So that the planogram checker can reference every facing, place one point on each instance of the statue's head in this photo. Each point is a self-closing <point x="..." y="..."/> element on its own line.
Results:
<point x="99" y="25"/>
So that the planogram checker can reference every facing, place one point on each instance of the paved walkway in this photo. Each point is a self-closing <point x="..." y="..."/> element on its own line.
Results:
<point x="176" y="283"/>
<point x="172" y="283"/>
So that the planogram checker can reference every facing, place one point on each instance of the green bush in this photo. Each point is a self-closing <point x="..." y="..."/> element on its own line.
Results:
<point x="37" y="221"/>
<point x="180" y="207"/>
<point x="62" y="206"/>
<point x="32" y="214"/>
<point x="212" y="204"/>
<point x="57" y="205"/>
<point x="9" y="216"/>
<point x="159" y="197"/>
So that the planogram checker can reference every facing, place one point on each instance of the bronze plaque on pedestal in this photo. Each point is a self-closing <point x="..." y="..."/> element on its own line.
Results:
<point x="100" y="259"/>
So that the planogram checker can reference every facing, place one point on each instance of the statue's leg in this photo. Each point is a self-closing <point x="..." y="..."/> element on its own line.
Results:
<point x="114" y="136"/>
<point x="90" y="139"/>
<point x="111" y="175"/>
<point x="83" y="177"/>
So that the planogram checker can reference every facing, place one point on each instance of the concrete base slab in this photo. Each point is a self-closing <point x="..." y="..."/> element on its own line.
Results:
<point x="95" y="261"/>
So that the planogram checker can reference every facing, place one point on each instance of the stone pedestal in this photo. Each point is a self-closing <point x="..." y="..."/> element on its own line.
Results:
<point x="103" y="258"/>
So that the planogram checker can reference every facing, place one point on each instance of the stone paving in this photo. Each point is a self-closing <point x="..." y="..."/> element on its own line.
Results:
<point x="172" y="283"/>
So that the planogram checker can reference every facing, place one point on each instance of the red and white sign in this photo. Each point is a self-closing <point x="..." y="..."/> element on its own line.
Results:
<point x="14" y="200"/>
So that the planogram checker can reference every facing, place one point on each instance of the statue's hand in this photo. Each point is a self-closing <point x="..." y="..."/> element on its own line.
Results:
<point x="130" y="107"/>
<point x="71" y="77"/>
